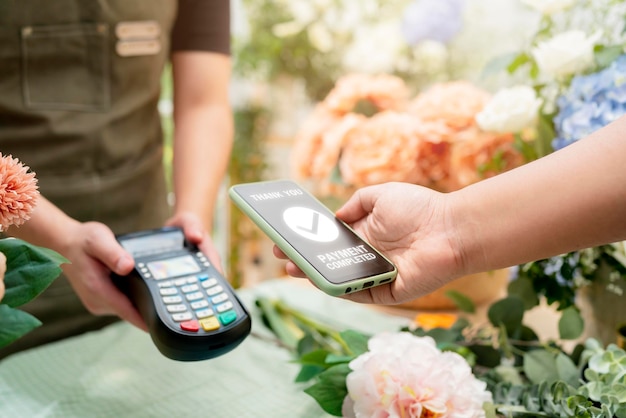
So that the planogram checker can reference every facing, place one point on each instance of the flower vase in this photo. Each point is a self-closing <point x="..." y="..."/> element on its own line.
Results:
<point x="480" y="288"/>
<point x="602" y="307"/>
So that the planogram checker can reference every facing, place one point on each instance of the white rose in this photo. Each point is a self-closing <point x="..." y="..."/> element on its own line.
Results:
<point x="565" y="54"/>
<point x="510" y="110"/>
<point x="548" y="7"/>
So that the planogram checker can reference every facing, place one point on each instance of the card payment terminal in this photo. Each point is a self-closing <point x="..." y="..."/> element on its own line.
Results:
<point x="191" y="310"/>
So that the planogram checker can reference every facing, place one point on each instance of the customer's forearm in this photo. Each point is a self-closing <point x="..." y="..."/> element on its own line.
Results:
<point x="572" y="199"/>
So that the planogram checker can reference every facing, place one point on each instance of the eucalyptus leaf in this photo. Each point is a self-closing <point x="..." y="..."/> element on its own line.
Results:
<point x="567" y="370"/>
<point x="30" y="270"/>
<point x="14" y="324"/>
<point x="540" y="366"/>
<point x="509" y="374"/>
<point x="522" y="288"/>
<point x="508" y="312"/>
<point x="571" y="324"/>
<point x="486" y="355"/>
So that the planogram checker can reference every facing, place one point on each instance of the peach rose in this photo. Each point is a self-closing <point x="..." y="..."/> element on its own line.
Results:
<point x="433" y="161"/>
<point x="480" y="155"/>
<point x="308" y="140"/>
<point x="455" y="103"/>
<point x="331" y="144"/>
<point x="383" y="148"/>
<point x="385" y="92"/>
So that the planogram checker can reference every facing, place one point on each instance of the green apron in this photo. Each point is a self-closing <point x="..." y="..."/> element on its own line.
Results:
<point x="79" y="88"/>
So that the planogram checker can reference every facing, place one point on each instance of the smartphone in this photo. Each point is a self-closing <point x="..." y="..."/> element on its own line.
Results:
<point x="328" y="251"/>
<point x="191" y="310"/>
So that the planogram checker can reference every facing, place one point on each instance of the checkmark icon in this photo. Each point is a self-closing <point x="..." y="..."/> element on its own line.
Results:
<point x="311" y="224"/>
<point x="314" y="224"/>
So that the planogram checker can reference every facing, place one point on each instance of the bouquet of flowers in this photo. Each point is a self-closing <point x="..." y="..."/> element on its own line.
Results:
<point x="29" y="269"/>
<point x="575" y="63"/>
<point x="434" y="369"/>
<point x="369" y="130"/>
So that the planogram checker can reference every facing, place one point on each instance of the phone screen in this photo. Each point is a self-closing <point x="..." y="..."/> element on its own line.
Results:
<point x="333" y="249"/>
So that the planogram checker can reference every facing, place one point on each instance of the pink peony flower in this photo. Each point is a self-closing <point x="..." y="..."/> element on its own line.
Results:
<point x="385" y="92"/>
<point x="18" y="192"/>
<point x="407" y="376"/>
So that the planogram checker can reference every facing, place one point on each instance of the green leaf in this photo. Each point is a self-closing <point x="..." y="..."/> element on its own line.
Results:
<point x="443" y="336"/>
<point x="356" y="341"/>
<point x="517" y="62"/>
<point x="508" y="312"/>
<point x="336" y="359"/>
<point x="567" y="370"/>
<point x="571" y="324"/>
<point x="308" y="372"/>
<point x="30" y="270"/>
<point x="604" y="56"/>
<point x="522" y="287"/>
<point x="498" y="64"/>
<point x="277" y="323"/>
<point x="486" y="355"/>
<point x="490" y="410"/>
<point x="545" y="135"/>
<point x="14" y="324"/>
<point x="461" y="301"/>
<point x="331" y="389"/>
<point x="314" y="358"/>
<point x="540" y="366"/>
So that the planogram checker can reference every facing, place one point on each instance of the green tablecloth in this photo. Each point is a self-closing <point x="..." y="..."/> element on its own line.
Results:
<point x="117" y="372"/>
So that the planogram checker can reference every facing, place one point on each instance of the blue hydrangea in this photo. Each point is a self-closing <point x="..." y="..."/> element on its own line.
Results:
<point x="591" y="102"/>
<point x="436" y="20"/>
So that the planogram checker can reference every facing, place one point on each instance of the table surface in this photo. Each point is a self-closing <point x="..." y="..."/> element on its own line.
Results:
<point x="117" y="372"/>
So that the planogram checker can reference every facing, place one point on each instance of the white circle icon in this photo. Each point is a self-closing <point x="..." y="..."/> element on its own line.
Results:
<point x="310" y="224"/>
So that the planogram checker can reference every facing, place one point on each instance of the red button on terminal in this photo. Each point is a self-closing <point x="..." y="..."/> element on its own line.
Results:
<point x="192" y="326"/>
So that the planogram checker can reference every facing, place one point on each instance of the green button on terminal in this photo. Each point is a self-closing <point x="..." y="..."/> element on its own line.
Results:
<point x="227" y="317"/>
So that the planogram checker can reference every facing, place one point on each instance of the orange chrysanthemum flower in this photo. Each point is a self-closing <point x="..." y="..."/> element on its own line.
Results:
<point x="18" y="192"/>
